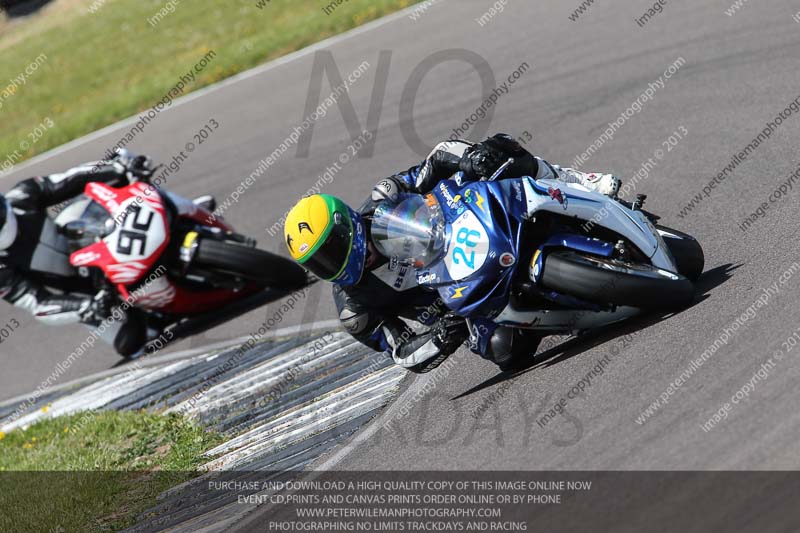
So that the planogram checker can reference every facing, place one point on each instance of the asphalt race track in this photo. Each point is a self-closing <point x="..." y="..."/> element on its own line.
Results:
<point x="738" y="73"/>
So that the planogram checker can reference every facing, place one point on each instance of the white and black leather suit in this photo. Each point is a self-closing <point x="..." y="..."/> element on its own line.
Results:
<point x="35" y="273"/>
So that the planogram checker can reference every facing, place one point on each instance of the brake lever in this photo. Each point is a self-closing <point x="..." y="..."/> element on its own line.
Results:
<point x="145" y="177"/>
<point x="153" y="171"/>
<point x="502" y="169"/>
<point x="652" y="217"/>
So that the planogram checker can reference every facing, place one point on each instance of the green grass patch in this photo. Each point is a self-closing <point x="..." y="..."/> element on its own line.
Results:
<point x="94" y="471"/>
<point x="95" y="68"/>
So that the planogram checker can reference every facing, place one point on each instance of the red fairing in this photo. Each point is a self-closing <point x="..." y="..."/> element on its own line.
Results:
<point x="136" y="244"/>
<point x="556" y="195"/>
<point x="140" y="236"/>
<point x="200" y="215"/>
<point x="163" y="295"/>
<point x="186" y="302"/>
<point x="206" y="218"/>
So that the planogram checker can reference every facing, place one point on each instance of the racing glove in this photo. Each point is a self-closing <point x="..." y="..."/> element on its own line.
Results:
<point x="136" y="166"/>
<point x="484" y="159"/>
<point x="481" y="162"/>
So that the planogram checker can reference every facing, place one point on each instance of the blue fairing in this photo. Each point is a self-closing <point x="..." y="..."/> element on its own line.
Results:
<point x="482" y="255"/>
<point x="483" y="232"/>
<point x="580" y="243"/>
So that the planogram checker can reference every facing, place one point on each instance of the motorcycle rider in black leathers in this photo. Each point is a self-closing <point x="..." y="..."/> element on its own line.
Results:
<point x="373" y="304"/>
<point x="33" y="278"/>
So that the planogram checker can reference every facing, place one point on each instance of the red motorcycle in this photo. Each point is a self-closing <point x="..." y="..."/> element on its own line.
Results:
<point x="169" y="259"/>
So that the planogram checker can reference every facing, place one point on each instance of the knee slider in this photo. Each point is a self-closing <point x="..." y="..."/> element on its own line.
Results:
<point x="354" y="323"/>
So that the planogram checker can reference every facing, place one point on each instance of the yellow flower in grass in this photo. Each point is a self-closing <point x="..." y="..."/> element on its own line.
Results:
<point x="45" y="408"/>
<point x="27" y="446"/>
<point x="2" y="435"/>
<point x="66" y="430"/>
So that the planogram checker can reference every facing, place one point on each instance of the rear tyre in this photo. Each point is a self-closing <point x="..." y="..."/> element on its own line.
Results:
<point x="609" y="281"/>
<point x="252" y="264"/>
<point x="686" y="250"/>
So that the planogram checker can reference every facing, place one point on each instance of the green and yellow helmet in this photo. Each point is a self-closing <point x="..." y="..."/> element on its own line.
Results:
<point x="328" y="238"/>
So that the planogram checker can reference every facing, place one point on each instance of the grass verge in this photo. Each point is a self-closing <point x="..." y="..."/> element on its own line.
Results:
<point x="94" y="471"/>
<point x="99" y="61"/>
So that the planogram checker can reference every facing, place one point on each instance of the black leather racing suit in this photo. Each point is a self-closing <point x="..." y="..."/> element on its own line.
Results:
<point x="373" y="310"/>
<point x="34" y="270"/>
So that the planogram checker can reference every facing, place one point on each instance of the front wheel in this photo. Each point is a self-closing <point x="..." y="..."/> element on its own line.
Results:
<point x="688" y="253"/>
<point x="251" y="264"/>
<point x="609" y="281"/>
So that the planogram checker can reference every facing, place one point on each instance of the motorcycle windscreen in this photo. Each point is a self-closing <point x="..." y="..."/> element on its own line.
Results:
<point x="90" y="218"/>
<point x="410" y="229"/>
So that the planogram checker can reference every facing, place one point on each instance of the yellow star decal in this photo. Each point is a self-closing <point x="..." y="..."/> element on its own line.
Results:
<point x="458" y="293"/>
<point x="479" y="202"/>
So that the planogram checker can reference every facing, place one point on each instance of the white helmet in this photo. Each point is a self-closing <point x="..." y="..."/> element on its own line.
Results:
<point x="8" y="224"/>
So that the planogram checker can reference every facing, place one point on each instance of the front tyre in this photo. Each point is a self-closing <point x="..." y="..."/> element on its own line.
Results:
<point x="688" y="253"/>
<point x="609" y="281"/>
<point x="251" y="264"/>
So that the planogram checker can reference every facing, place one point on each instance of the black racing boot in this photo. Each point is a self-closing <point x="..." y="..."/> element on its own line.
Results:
<point x="131" y="336"/>
<point x="512" y="348"/>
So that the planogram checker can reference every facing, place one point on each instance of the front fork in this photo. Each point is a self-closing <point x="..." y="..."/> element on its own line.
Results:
<point x="480" y="334"/>
<point x="570" y="241"/>
<point x="191" y="240"/>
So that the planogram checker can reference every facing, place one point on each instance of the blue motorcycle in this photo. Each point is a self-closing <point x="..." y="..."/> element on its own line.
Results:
<point x="541" y="255"/>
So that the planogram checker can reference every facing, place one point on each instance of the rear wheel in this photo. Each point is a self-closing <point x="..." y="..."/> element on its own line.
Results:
<point x="687" y="252"/>
<point x="249" y="263"/>
<point x="609" y="281"/>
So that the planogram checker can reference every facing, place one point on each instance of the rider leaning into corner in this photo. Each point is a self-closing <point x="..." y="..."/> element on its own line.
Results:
<point x="27" y="279"/>
<point x="373" y="296"/>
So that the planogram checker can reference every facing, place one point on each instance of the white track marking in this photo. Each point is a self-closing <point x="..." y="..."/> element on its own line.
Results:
<point x="255" y="71"/>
